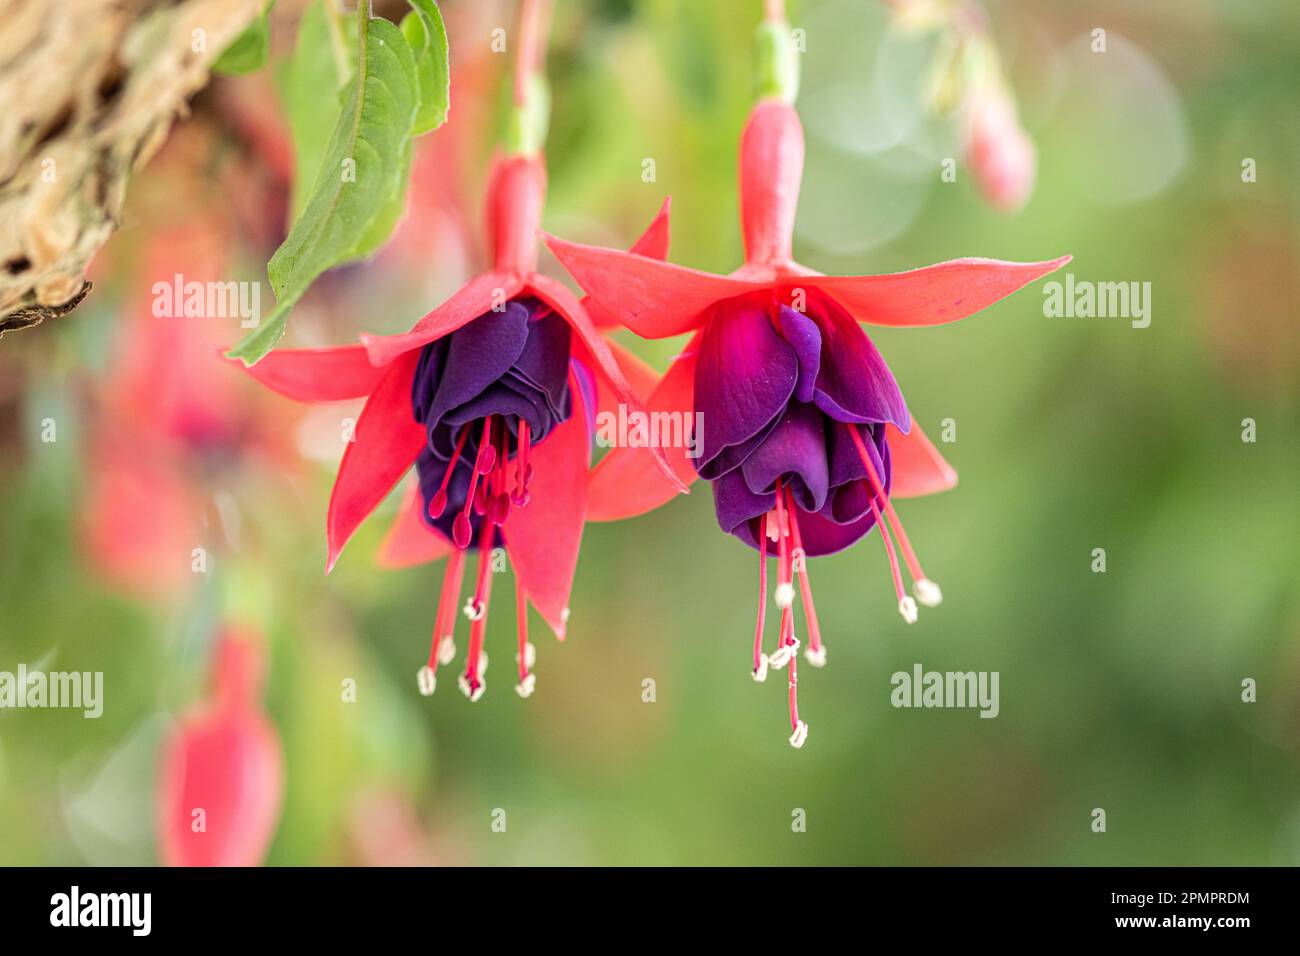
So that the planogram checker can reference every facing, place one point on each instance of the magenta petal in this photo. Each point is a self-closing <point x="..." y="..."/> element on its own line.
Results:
<point x="822" y="536"/>
<point x="736" y="506"/>
<point x="854" y="383"/>
<point x="850" y="496"/>
<point x="796" y="448"/>
<point x="478" y="354"/>
<point x="745" y="376"/>
<point x="806" y="339"/>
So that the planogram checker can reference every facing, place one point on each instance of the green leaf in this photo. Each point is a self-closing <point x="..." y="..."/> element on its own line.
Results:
<point x="360" y="181"/>
<point x="250" y="50"/>
<point x="424" y="30"/>
<point x="307" y="80"/>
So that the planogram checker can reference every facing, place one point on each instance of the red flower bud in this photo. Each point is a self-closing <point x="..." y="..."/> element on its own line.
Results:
<point x="999" y="152"/>
<point x="220" y="778"/>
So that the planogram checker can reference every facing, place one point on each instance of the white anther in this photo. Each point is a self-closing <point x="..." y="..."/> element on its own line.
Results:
<point x="446" y="650"/>
<point x="907" y="608"/>
<point x="427" y="680"/>
<point x="816" y="656"/>
<point x="784" y="595"/>
<point x="760" y="672"/>
<point x="927" y="592"/>
<point x="473" y="693"/>
<point x="474" y="610"/>
<point x="799" y="736"/>
<point x="785" y="653"/>
<point x="530" y="656"/>
<point x="526" y="686"/>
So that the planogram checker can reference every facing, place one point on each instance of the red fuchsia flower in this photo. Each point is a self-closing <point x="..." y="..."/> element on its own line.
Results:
<point x="806" y="436"/>
<point x="221" y="775"/>
<point x="492" y="397"/>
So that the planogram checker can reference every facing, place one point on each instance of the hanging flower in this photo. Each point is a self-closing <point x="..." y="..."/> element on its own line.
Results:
<point x="492" y="398"/>
<point x="806" y="437"/>
<point x="221" y="776"/>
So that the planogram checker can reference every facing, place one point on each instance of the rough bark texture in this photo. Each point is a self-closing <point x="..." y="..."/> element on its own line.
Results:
<point x="88" y="91"/>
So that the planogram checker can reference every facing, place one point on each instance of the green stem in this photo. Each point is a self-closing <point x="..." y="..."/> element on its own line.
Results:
<point x="334" y="21"/>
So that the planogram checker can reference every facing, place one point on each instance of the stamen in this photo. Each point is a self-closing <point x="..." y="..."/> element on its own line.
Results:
<point x="438" y="503"/>
<point x="460" y="529"/>
<point x="471" y="682"/>
<point x="527" y="654"/>
<point x="926" y="591"/>
<point x="523" y="471"/>
<point x="816" y="652"/>
<point x="785" y="577"/>
<point x="442" y="648"/>
<point x="906" y="605"/>
<point x="427" y="680"/>
<point x="499" y="501"/>
<point x="799" y="730"/>
<point x="760" y="659"/>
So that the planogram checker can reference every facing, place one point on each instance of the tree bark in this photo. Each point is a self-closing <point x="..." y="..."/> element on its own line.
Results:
<point x="88" y="92"/>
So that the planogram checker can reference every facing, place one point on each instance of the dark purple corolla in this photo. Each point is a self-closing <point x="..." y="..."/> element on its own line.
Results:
<point x="779" y="395"/>
<point x="493" y="389"/>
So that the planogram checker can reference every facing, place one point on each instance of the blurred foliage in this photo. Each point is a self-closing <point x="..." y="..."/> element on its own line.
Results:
<point x="1119" y="690"/>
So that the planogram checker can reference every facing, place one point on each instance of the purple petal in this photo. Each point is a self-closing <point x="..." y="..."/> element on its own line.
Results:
<point x="850" y="497"/>
<point x="822" y="536"/>
<point x="478" y="354"/>
<point x="745" y="376"/>
<point x="854" y="384"/>
<point x="544" y="361"/>
<point x="806" y="340"/>
<point x="736" y="506"/>
<point x="796" y="448"/>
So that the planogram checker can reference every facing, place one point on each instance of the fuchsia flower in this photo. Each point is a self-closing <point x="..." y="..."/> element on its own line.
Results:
<point x="221" y="777"/>
<point x="492" y="397"/>
<point x="806" y="436"/>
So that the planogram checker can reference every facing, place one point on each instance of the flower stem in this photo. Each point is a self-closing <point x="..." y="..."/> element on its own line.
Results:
<point x="531" y="115"/>
<point x="778" y="60"/>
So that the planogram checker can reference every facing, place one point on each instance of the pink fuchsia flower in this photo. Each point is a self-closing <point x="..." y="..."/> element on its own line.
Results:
<point x="806" y="436"/>
<point x="491" y="396"/>
<point x="221" y="776"/>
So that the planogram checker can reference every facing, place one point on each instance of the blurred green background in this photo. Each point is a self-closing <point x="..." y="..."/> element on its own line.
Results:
<point x="1119" y="690"/>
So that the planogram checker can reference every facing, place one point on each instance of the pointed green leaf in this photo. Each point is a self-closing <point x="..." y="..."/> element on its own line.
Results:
<point x="424" y="30"/>
<point x="313" y="95"/>
<point x="360" y="180"/>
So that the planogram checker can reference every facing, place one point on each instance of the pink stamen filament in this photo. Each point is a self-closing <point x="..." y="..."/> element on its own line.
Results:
<point x="521" y="465"/>
<point x="889" y="550"/>
<point x="438" y="503"/>
<point x="482" y="594"/>
<point x="794" y="692"/>
<point x="783" y="575"/>
<point x="762" y="592"/>
<point x="895" y="523"/>
<point x="448" y="601"/>
<point x="521" y="625"/>
<point x="805" y="585"/>
<point x="460" y="529"/>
